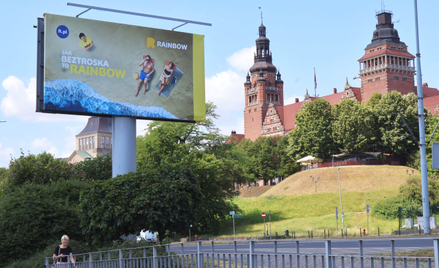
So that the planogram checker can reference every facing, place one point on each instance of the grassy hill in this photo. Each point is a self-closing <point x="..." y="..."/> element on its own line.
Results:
<point x="357" y="178"/>
<point x="295" y="206"/>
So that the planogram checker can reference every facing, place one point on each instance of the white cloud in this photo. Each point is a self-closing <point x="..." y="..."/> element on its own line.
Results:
<point x="20" y="102"/>
<point x="226" y="90"/>
<point x="53" y="151"/>
<point x="41" y="144"/>
<point x="141" y="125"/>
<point x="242" y="60"/>
<point x="5" y="155"/>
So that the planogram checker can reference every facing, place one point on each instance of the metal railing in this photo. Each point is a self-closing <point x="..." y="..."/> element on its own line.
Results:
<point x="252" y="254"/>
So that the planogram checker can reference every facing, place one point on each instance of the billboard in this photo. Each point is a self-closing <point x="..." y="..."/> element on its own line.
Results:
<point x="108" y="69"/>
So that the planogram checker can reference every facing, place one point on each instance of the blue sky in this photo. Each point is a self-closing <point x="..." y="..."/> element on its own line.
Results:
<point x="328" y="35"/>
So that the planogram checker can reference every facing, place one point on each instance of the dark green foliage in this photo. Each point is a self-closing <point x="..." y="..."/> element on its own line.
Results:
<point x="352" y="126"/>
<point x="388" y="209"/>
<point x="37" y="259"/>
<point x="4" y="178"/>
<point x="409" y="198"/>
<point x="394" y="138"/>
<point x="40" y="169"/>
<point x="99" y="168"/>
<point x="267" y="158"/>
<point x="313" y="134"/>
<point x="34" y="214"/>
<point x="156" y="201"/>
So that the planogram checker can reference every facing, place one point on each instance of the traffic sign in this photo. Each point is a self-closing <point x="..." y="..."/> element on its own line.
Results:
<point x="237" y="216"/>
<point x="231" y="213"/>
<point x="367" y="208"/>
<point x="263" y="215"/>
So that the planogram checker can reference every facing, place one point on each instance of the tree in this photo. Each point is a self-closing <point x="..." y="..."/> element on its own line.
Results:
<point x="394" y="135"/>
<point x="40" y="169"/>
<point x="99" y="168"/>
<point x="155" y="200"/>
<point x="198" y="150"/>
<point x="374" y="99"/>
<point x="313" y="132"/>
<point x="34" y="215"/>
<point x="352" y="126"/>
<point x="4" y="177"/>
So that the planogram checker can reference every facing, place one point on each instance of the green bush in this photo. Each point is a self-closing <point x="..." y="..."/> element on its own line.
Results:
<point x="388" y="208"/>
<point x="37" y="260"/>
<point x="33" y="215"/>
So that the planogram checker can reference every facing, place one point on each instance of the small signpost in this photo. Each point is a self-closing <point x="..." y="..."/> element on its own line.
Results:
<point x="263" y="216"/>
<point x="336" y="217"/>
<point x="232" y="213"/>
<point x="367" y="213"/>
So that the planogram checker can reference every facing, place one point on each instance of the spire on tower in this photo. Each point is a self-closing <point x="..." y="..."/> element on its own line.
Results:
<point x="262" y="19"/>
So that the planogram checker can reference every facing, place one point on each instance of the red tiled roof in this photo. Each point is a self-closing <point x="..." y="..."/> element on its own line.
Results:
<point x="280" y="112"/>
<point x="333" y="98"/>
<point x="235" y="137"/>
<point x="430" y="102"/>
<point x="387" y="51"/>
<point x="429" y="91"/>
<point x="290" y="112"/>
<point x="357" y="92"/>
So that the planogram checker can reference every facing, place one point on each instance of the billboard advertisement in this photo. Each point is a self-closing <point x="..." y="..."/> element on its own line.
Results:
<point x="101" y="68"/>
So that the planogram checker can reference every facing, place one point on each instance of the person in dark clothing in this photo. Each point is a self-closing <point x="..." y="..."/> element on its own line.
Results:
<point x="62" y="251"/>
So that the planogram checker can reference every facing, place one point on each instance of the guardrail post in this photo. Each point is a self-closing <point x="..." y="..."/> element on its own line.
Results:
<point x="436" y="252"/>
<point x="361" y="254"/>
<point x="199" y="257"/>
<point x="297" y="252"/>
<point x="328" y="263"/>
<point x="182" y="249"/>
<point x="392" y="244"/>
<point x="169" y="250"/>
<point x="155" y="263"/>
<point x="90" y="260"/>
<point x="120" y="258"/>
<point x="212" y="247"/>
<point x="251" y="251"/>
<point x="275" y="253"/>
<point x="235" y="247"/>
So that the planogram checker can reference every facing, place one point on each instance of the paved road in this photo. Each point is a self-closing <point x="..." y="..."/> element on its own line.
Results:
<point x="339" y="246"/>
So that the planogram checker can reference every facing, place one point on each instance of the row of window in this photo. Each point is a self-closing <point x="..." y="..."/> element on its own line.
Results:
<point x="387" y="59"/>
<point x="91" y="140"/>
<point x="379" y="78"/>
<point x="272" y="97"/>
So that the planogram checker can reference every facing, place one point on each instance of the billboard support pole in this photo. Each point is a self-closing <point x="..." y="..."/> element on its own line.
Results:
<point x="124" y="145"/>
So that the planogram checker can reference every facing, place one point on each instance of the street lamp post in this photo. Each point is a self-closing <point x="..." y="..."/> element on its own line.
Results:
<point x="341" y="202"/>
<point x="315" y="182"/>
<point x="422" y="144"/>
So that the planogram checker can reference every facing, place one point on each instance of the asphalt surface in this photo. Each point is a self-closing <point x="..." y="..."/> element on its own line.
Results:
<point x="338" y="246"/>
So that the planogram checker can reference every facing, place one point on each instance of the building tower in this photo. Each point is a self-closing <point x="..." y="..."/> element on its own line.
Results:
<point x="386" y="64"/>
<point x="94" y="140"/>
<point x="264" y="100"/>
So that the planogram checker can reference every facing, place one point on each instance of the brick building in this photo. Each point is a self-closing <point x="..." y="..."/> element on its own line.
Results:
<point x="94" y="140"/>
<point x="385" y="66"/>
